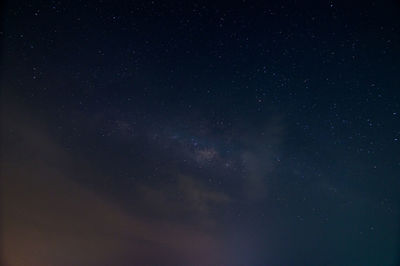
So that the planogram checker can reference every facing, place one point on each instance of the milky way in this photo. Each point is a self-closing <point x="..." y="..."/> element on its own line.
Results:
<point x="200" y="133"/>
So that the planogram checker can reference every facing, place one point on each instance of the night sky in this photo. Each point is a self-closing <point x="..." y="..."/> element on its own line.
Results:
<point x="200" y="133"/>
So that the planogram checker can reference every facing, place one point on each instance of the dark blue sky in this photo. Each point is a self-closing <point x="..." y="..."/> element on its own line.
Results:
<point x="200" y="133"/>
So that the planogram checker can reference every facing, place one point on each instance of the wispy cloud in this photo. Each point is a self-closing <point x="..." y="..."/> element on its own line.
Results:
<point x="50" y="219"/>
